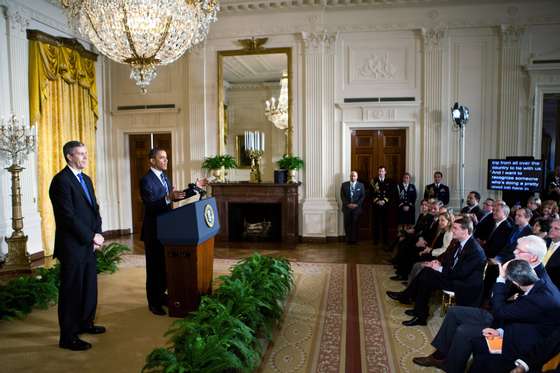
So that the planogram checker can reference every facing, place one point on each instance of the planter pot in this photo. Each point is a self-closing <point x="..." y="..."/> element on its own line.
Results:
<point x="219" y="174"/>
<point x="292" y="176"/>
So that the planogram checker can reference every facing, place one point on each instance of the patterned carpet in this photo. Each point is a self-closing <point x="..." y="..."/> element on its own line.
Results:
<point x="387" y="345"/>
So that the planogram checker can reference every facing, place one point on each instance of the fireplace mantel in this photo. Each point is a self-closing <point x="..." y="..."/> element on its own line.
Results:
<point x="243" y="192"/>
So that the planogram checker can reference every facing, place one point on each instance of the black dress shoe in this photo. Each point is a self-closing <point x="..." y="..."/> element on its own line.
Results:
<point x="76" y="344"/>
<point x="398" y="296"/>
<point x="157" y="310"/>
<point x="415" y="321"/>
<point x="429" y="361"/>
<point x="94" y="329"/>
<point x="397" y="278"/>
<point x="409" y="312"/>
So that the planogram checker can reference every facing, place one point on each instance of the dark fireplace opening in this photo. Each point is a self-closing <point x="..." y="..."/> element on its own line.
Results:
<point x="255" y="221"/>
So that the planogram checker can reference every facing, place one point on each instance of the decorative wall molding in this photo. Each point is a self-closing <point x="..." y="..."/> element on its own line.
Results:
<point x="432" y="37"/>
<point x="17" y="17"/>
<point x="512" y="34"/>
<point x="377" y="67"/>
<point x="314" y="42"/>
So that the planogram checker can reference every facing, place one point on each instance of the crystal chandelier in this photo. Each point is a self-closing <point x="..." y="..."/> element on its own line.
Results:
<point x="142" y="33"/>
<point x="276" y="111"/>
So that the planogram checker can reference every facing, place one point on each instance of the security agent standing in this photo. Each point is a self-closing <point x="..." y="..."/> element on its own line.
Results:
<point x="157" y="194"/>
<point x="352" y="194"/>
<point x="77" y="236"/>
<point x="381" y="192"/>
<point x="437" y="189"/>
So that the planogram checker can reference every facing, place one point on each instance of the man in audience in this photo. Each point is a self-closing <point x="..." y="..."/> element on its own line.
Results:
<point x="534" y="204"/>
<point x="352" y="194"/>
<point x="437" y="189"/>
<point x="484" y="225"/>
<point x="552" y="257"/>
<point x="463" y="275"/>
<point x="524" y="322"/>
<point x="522" y="228"/>
<point x="501" y="232"/>
<point x="381" y="194"/>
<point x="461" y="324"/>
<point x="472" y="207"/>
<point x="545" y="353"/>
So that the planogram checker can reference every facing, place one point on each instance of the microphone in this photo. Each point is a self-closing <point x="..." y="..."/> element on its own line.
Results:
<point x="194" y="190"/>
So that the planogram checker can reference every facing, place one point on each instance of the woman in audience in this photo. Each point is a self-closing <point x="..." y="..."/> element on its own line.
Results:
<point x="439" y="245"/>
<point x="541" y="228"/>
<point x="550" y="209"/>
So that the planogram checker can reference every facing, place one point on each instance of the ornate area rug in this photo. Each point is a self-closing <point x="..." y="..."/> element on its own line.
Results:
<point x="386" y="344"/>
<point x="312" y="335"/>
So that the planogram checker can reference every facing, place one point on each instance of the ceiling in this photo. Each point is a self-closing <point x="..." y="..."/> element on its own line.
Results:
<point x="254" y="68"/>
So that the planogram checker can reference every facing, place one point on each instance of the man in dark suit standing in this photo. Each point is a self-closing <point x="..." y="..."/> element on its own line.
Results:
<point x="381" y="195"/>
<point x="77" y="236"/>
<point x="352" y="194"/>
<point x="552" y="257"/>
<point x="157" y="194"/>
<point x="437" y="189"/>
<point x="463" y="275"/>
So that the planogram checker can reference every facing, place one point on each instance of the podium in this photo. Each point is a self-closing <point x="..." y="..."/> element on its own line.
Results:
<point x="187" y="233"/>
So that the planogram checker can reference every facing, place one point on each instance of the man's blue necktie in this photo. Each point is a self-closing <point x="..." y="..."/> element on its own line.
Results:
<point x="84" y="187"/>
<point x="164" y="182"/>
<point x="456" y="256"/>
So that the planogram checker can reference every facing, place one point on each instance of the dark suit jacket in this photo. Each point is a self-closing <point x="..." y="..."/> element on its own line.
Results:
<point x="528" y="319"/>
<point x="77" y="221"/>
<point x="484" y="227"/>
<point x="441" y="193"/>
<point x="357" y="198"/>
<point x="465" y="279"/>
<point x="498" y="239"/>
<point x="506" y="253"/>
<point x="153" y="194"/>
<point x="553" y="268"/>
<point x="475" y="210"/>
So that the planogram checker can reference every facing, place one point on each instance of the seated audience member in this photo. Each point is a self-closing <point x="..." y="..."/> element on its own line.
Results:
<point x="437" y="189"/>
<point x="473" y="207"/>
<point x="541" y="228"/>
<point x="352" y="194"/>
<point x="552" y="258"/>
<point x="521" y="229"/>
<point x="522" y="327"/>
<point x="550" y="209"/>
<point x="406" y="201"/>
<point x="439" y="247"/>
<point x="553" y="190"/>
<point x="463" y="275"/>
<point x="499" y="237"/>
<point x="534" y="204"/>
<point x="485" y="225"/>
<point x="532" y="361"/>
<point x="463" y="323"/>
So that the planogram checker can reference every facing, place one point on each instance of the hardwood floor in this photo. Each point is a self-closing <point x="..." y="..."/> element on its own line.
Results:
<point x="329" y="252"/>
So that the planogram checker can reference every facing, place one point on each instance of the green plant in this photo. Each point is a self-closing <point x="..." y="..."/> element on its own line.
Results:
<point x="109" y="256"/>
<point x="228" y="162"/>
<point x="221" y="336"/>
<point x="212" y="163"/>
<point x="290" y="162"/>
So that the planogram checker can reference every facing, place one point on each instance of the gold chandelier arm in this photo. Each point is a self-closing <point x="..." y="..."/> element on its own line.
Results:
<point x="92" y="25"/>
<point x="163" y="37"/>
<point x="128" y="34"/>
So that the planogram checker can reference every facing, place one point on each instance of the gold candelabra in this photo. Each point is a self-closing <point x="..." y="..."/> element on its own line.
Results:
<point x="16" y="142"/>
<point x="255" y="156"/>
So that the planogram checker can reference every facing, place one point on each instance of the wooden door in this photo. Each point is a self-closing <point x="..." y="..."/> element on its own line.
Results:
<point x="140" y="145"/>
<point x="371" y="149"/>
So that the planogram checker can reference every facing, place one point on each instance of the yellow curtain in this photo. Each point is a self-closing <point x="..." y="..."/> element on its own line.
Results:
<point x="63" y="106"/>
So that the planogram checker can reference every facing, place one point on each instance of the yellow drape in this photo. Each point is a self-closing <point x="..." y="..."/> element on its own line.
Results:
<point x="63" y="106"/>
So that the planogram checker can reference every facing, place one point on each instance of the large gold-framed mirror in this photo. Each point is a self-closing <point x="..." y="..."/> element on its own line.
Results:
<point x="247" y="79"/>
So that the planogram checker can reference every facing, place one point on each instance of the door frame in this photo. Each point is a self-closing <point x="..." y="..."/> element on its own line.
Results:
<point x="123" y="173"/>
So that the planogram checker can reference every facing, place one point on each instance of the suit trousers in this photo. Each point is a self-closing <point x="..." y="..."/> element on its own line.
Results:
<point x="421" y="288"/>
<point x="351" y="223"/>
<point x="460" y="326"/>
<point x="381" y="223"/>
<point x="77" y="296"/>
<point x="156" y="282"/>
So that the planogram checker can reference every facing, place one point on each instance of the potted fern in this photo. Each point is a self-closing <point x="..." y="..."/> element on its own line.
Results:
<point x="214" y="165"/>
<point x="291" y="163"/>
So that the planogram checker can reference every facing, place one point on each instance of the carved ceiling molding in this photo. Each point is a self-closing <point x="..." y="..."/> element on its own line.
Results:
<point x="314" y="42"/>
<point x="511" y="34"/>
<point x="245" y="6"/>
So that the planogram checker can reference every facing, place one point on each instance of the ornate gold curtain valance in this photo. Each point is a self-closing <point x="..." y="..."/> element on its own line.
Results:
<point x="53" y="58"/>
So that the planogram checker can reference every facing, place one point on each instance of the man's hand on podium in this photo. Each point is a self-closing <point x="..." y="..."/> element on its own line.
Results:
<point x="176" y="195"/>
<point x="201" y="182"/>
